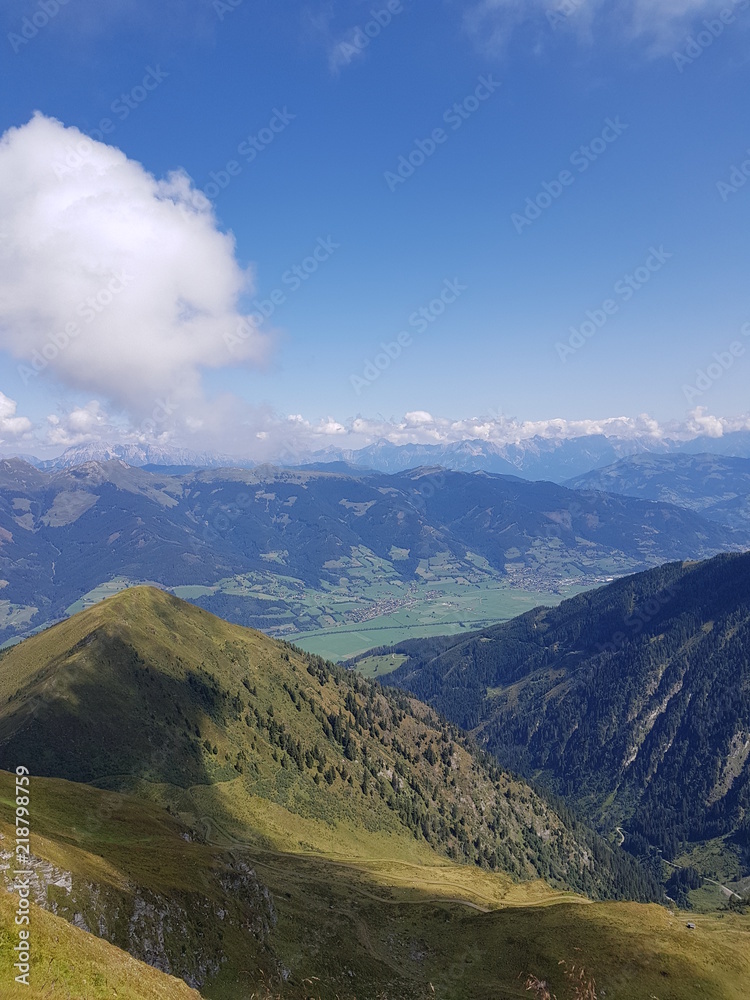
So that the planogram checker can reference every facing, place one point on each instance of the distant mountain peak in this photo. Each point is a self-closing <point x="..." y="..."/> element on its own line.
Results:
<point x="137" y="455"/>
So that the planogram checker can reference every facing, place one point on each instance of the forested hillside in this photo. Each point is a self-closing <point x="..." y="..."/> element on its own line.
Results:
<point x="633" y="700"/>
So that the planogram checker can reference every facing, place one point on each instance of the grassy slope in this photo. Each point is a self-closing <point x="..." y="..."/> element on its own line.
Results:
<point x="124" y="858"/>
<point x="374" y="667"/>
<point x="365" y="928"/>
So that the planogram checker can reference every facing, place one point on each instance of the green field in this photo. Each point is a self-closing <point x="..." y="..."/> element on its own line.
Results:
<point x="373" y="667"/>
<point x="15" y="614"/>
<point x="719" y="864"/>
<point x="444" y="609"/>
<point x="113" y="586"/>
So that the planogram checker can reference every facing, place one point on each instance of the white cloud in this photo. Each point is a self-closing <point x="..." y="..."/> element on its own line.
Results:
<point x="82" y="424"/>
<point x="111" y="281"/>
<point x="295" y="436"/>
<point x="702" y="423"/>
<point x="419" y="427"/>
<point x="418" y="418"/>
<point x="664" y="19"/>
<point x="12" y="428"/>
<point x="330" y="427"/>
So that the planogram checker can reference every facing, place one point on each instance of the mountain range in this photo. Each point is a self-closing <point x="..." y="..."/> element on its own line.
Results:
<point x="65" y="532"/>
<point x="137" y="455"/>
<point x="715" y="486"/>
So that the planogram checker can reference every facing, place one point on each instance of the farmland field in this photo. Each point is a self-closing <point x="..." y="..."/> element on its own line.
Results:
<point x="436" y="610"/>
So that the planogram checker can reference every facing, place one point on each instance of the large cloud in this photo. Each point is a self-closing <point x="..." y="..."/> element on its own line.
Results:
<point x="112" y="281"/>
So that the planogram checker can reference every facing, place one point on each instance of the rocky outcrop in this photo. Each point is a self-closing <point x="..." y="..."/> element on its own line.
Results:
<point x="179" y="933"/>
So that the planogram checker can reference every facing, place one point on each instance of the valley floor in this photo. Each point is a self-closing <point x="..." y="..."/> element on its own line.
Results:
<point x="362" y="612"/>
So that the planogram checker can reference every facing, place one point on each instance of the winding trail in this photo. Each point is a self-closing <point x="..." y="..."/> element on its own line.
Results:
<point x="365" y="889"/>
<point x="724" y="888"/>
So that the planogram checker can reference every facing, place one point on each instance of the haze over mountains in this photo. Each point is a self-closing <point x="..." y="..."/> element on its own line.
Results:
<point x="68" y="531"/>
<point x="537" y="457"/>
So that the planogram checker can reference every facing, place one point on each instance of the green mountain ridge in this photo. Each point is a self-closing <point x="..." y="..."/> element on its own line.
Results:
<point x="169" y="702"/>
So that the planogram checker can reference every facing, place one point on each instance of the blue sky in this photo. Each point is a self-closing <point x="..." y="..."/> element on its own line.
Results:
<point x="663" y="118"/>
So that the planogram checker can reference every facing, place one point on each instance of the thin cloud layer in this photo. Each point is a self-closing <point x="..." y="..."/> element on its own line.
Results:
<point x="263" y="435"/>
<point x="658" y="25"/>
<point x="348" y="43"/>
<point x="420" y="427"/>
<point x="88" y="21"/>
<point x="295" y="436"/>
<point x="111" y="281"/>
